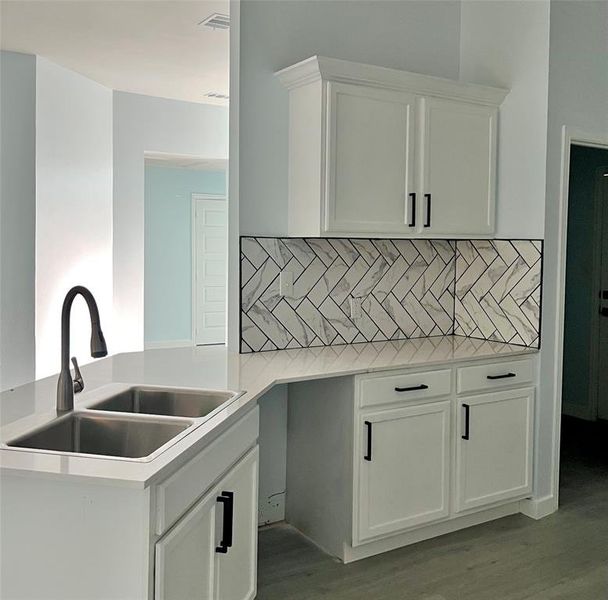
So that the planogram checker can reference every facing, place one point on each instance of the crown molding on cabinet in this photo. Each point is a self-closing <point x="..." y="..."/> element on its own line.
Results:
<point x="321" y="68"/>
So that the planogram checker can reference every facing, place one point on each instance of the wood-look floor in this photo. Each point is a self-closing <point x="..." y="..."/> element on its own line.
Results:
<point x="561" y="557"/>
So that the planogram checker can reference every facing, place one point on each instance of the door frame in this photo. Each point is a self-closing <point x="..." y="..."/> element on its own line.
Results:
<point x="195" y="198"/>
<point x="570" y="136"/>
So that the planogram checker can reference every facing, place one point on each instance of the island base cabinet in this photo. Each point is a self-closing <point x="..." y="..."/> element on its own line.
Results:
<point x="211" y="552"/>
<point x="494" y="448"/>
<point x="402" y="469"/>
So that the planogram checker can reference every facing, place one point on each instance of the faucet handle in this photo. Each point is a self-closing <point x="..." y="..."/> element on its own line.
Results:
<point x="78" y="380"/>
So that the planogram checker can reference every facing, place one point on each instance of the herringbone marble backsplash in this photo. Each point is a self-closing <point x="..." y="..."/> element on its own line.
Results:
<point x="408" y="289"/>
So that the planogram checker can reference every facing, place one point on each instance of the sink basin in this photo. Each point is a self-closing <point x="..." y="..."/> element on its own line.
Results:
<point x="173" y="402"/>
<point x="125" y="437"/>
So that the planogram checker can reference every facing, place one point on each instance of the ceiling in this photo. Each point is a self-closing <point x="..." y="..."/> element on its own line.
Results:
<point x="159" y="159"/>
<point x="152" y="47"/>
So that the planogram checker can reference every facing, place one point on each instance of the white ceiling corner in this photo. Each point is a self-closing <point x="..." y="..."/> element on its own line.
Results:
<point x="151" y="47"/>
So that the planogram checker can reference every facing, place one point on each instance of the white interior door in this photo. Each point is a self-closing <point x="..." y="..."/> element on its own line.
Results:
<point x="210" y="264"/>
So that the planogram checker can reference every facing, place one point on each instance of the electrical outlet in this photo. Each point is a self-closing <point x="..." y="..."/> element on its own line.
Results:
<point x="286" y="283"/>
<point x="355" y="308"/>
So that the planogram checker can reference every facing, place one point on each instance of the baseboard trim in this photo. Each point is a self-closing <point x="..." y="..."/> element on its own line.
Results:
<point x="539" y="508"/>
<point x="167" y="344"/>
<point x="351" y="554"/>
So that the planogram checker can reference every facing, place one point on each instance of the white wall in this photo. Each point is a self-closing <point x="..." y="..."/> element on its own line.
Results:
<point x="506" y="43"/>
<point x="73" y="208"/>
<point x="415" y="35"/>
<point x="148" y="124"/>
<point x="578" y="99"/>
<point x="17" y="217"/>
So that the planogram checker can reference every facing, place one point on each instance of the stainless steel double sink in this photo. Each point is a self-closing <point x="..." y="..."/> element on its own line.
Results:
<point x="137" y="423"/>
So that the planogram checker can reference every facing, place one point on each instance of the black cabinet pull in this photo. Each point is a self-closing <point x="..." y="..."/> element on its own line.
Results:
<point x="467" y="418"/>
<point x="368" y="454"/>
<point x="412" y="222"/>
<point x="227" y="499"/>
<point x="427" y="223"/>
<point x="422" y="386"/>
<point x="504" y="376"/>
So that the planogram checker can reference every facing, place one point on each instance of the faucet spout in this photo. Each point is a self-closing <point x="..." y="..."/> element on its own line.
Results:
<point x="65" y="385"/>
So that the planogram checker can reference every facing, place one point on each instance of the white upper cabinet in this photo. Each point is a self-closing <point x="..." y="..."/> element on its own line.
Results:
<point x="381" y="152"/>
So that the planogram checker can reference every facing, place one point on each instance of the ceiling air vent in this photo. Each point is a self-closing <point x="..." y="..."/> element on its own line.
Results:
<point x="216" y="21"/>
<point x="216" y="95"/>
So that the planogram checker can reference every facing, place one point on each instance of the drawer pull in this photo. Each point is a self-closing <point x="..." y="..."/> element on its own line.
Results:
<point x="227" y="499"/>
<point x="504" y="376"/>
<point x="422" y="386"/>
<point x="467" y="419"/>
<point x="368" y="454"/>
<point x="412" y="222"/>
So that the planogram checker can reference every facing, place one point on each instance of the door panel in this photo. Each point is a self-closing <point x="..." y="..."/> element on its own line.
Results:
<point x="495" y="462"/>
<point x="370" y="158"/>
<point x="185" y="556"/>
<point x="211" y="222"/>
<point x="458" y="167"/>
<point x="236" y="570"/>
<point x="406" y="481"/>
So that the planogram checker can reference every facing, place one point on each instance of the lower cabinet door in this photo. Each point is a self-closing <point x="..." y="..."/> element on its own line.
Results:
<point x="401" y="469"/>
<point x="211" y="552"/>
<point x="237" y="532"/>
<point x="185" y="556"/>
<point x="494" y="448"/>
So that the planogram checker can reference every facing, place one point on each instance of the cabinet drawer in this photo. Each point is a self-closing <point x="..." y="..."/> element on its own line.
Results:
<point x="404" y="387"/>
<point x="178" y="492"/>
<point x="496" y="375"/>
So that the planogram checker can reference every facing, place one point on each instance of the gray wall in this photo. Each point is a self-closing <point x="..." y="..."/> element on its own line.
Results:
<point x="17" y="217"/>
<point x="578" y="99"/>
<point x="417" y="36"/>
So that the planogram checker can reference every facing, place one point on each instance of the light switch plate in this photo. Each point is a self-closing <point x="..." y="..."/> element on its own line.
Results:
<point x="286" y="283"/>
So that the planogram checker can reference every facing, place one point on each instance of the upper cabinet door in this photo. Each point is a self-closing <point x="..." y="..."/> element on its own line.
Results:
<point x="370" y="160"/>
<point x="458" y="164"/>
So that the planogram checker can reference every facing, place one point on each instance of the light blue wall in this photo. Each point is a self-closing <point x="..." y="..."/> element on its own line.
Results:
<point x="168" y="248"/>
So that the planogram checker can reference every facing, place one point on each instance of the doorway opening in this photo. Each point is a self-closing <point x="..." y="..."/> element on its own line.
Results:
<point x="185" y="257"/>
<point x="584" y="427"/>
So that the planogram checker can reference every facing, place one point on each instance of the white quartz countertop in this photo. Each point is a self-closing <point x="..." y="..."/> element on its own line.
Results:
<point x="209" y="367"/>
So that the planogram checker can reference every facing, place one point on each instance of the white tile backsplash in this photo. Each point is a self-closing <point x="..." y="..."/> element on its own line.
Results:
<point x="408" y="288"/>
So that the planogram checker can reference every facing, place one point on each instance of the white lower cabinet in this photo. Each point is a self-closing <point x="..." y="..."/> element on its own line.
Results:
<point x="494" y="448"/>
<point x="383" y="460"/>
<point x="211" y="552"/>
<point x="402" y="469"/>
